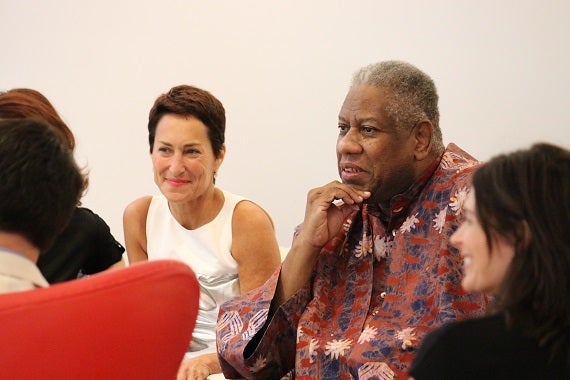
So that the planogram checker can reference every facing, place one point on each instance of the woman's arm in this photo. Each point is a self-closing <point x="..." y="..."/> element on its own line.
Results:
<point x="134" y="229"/>
<point x="255" y="249"/>
<point x="254" y="245"/>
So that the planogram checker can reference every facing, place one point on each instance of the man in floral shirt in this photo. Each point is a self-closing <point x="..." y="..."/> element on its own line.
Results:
<point x="370" y="270"/>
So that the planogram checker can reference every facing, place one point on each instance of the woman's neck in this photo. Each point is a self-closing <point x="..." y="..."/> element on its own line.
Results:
<point x="198" y="212"/>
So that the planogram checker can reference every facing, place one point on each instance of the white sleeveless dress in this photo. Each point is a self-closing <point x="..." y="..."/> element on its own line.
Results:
<point x="207" y="250"/>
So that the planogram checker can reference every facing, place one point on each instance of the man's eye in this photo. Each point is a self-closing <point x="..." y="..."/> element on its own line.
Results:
<point x="366" y="129"/>
<point x="342" y="128"/>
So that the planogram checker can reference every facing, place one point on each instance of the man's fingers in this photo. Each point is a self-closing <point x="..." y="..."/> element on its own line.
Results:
<point x="337" y="191"/>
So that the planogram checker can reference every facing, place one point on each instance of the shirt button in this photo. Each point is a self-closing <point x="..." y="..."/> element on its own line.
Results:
<point x="383" y="295"/>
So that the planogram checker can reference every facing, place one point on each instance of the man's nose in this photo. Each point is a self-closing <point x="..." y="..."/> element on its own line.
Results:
<point x="349" y="143"/>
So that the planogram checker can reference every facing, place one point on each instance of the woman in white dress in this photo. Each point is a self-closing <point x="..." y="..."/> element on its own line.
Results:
<point x="228" y="241"/>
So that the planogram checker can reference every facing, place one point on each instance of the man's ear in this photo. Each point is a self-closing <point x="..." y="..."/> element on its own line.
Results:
<point x="423" y="134"/>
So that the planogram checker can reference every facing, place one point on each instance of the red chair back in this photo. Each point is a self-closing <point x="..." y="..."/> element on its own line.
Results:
<point x="130" y="323"/>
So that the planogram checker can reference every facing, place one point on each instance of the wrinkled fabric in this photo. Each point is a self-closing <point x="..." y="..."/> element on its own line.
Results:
<point x="378" y="287"/>
<point x="85" y="247"/>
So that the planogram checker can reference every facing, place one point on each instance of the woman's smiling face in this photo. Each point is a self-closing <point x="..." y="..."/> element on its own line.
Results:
<point x="182" y="157"/>
<point x="484" y="268"/>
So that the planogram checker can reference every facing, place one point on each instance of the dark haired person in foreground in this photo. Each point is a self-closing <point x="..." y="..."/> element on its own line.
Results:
<point x="515" y="244"/>
<point x="40" y="186"/>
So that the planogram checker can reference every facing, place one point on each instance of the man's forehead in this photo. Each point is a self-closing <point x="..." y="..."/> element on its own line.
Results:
<point x="364" y="94"/>
<point x="363" y="104"/>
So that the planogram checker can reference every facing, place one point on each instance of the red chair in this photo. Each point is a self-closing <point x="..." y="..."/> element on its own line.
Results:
<point x="131" y="323"/>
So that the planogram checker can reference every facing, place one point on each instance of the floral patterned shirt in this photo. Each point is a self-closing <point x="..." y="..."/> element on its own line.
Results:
<point x="377" y="289"/>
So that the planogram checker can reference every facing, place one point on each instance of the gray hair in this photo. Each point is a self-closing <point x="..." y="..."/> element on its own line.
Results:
<point x="413" y="95"/>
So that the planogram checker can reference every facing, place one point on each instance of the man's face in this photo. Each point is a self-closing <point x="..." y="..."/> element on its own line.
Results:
<point x="371" y="153"/>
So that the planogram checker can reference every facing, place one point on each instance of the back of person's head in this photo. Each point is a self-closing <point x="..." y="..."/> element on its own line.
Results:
<point x="40" y="183"/>
<point x="187" y="100"/>
<point x="412" y="95"/>
<point x="20" y="103"/>
<point x="524" y="197"/>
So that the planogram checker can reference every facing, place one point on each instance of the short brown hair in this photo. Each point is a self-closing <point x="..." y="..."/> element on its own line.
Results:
<point x="187" y="100"/>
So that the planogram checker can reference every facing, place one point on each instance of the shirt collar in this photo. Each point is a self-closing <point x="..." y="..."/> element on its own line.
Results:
<point x="15" y="265"/>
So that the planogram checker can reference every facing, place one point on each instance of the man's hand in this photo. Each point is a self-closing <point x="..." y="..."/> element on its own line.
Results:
<point x="327" y="208"/>
<point x="324" y="216"/>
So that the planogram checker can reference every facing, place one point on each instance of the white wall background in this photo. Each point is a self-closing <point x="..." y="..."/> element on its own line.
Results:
<point x="281" y="68"/>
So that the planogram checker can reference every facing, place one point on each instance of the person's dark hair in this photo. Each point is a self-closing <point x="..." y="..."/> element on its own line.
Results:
<point x="413" y="94"/>
<point x="187" y="100"/>
<point x="40" y="183"/>
<point x="524" y="197"/>
<point x="19" y="103"/>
